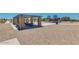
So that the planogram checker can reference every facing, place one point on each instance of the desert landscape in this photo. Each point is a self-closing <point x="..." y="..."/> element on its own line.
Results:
<point x="53" y="32"/>
<point x="66" y="33"/>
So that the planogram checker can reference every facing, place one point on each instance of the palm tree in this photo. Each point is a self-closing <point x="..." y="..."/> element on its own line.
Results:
<point x="48" y="17"/>
<point x="56" y="19"/>
<point x="55" y="16"/>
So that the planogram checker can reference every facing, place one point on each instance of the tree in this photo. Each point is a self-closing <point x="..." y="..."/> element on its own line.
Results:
<point x="48" y="17"/>
<point x="44" y="19"/>
<point x="56" y="19"/>
<point x="55" y="16"/>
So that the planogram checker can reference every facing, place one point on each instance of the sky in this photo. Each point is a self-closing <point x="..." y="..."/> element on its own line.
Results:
<point x="11" y="15"/>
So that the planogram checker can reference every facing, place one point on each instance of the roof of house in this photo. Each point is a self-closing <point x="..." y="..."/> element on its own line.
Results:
<point x="28" y="15"/>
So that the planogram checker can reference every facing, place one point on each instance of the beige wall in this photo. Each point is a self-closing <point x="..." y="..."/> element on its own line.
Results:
<point x="21" y="21"/>
<point x="15" y="21"/>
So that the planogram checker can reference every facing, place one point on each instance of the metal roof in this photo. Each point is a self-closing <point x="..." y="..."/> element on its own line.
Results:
<point x="28" y="15"/>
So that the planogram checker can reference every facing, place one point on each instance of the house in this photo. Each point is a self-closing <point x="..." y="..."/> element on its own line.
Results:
<point x="21" y="19"/>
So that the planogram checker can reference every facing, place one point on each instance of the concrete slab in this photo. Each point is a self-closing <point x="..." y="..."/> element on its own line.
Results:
<point x="13" y="41"/>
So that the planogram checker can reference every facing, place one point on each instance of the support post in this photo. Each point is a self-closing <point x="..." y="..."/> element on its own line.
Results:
<point x="39" y="22"/>
<point x="31" y="20"/>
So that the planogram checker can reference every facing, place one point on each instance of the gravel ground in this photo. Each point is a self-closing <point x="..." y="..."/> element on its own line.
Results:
<point x="57" y="34"/>
<point x="6" y="32"/>
<point x="53" y="34"/>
